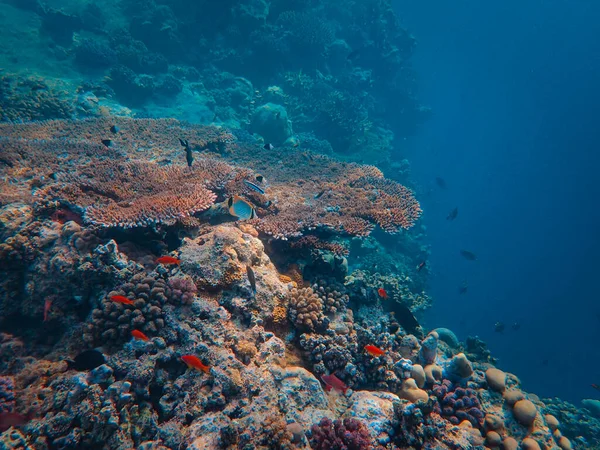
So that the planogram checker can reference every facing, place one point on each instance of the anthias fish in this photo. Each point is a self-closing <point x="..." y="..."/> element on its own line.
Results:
<point x="168" y="260"/>
<point x="382" y="293"/>
<point x="453" y="214"/>
<point x="333" y="382"/>
<point x="374" y="351"/>
<point x="47" y="306"/>
<point x="251" y="278"/>
<point x="193" y="362"/>
<point x="595" y="386"/>
<point x="87" y="360"/>
<point x="254" y="187"/>
<point x="121" y="299"/>
<point x="421" y="265"/>
<point x="240" y="208"/>
<point x="468" y="255"/>
<point x="12" y="419"/>
<point x="137" y="334"/>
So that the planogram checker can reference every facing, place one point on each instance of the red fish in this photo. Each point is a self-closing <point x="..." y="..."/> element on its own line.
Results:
<point x="168" y="260"/>
<point x="12" y="419"/>
<point x="47" y="306"/>
<point x="382" y="293"/>
<point x="137" y="334"/>
<point x="333" y="382"/>
<point x="374" y="351"/>
<point x="420" y="266"/>
<point x="193" y="362"/>
<point x="121" y="299"/>
<point x="595" y="386"/>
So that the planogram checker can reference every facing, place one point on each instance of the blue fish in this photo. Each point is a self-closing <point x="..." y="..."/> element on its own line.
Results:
<point x="240" y="208"/>
<point x="254" y="187"/>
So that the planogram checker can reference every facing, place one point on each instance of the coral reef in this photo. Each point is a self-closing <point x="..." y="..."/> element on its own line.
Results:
<point x="349" y="433"/>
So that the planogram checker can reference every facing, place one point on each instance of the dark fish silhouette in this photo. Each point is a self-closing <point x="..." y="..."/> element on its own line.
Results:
<point x="545" y="362"/>
<point x="405" y="318"/>
<point x="595" y="386"/>
<point x="87" y="360"/>
<point x="114" y="129"/>
<point x="254" y="187"/>
<point x="106" y="142"/>
<point x="499" y="327"/>
<point x="516" y="326"/>
<point x="278" y="115"/>
<point x="353" y="55"/>
<point x="320" y="194"/>
<point x="453" y="214"/>
<point x="260" y="178"/>
<point x="189" y="157"/>
<point x="441" y="182"/>
<point x="251" y="278"/>
<point x="468" y="255"/>
<point x="268" y="146"/>
<point x="421" y="265"/>
<point x="463" y="288"/>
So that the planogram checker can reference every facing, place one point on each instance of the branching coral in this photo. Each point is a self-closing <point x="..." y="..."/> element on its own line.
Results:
<point x="306" y="309"/>
<point x="312" y="242"/>
<point x="308" y="192"/>
<point x="400" y="288"/>
<point x="31" y="99"/>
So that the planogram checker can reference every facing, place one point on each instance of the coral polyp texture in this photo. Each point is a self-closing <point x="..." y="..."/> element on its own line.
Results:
<point x="110" y="188"/>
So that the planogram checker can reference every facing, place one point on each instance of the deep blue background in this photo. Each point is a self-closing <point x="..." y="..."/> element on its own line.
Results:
<point x="515" y="90"/>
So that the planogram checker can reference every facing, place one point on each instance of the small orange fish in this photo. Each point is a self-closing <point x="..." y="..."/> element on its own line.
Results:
<point x="166" y="260"/>
<point x="137" y="334"/>
<point x="382" y="293"/>
<point x="193" y="362"/>
<point x="374" y="351"/>
<point x="47" y="306"/>
<point x="121" y="299"/>
<point x="421" y="265"/>
<point x="595" y="386"/>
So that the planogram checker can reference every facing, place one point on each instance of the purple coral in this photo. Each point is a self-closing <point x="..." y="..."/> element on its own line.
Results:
<point x="457" y="404"/>
<point x="349" y="434"/>
<point x="7" y="396"/>
<point x="183" y="289"/>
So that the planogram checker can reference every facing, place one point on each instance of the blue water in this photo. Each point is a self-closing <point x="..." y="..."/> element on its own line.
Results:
<point x="515" y="134"/>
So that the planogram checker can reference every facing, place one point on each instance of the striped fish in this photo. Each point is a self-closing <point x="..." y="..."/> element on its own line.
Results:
<point x="254" y="187"/>
<point x="240" y="208"/>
